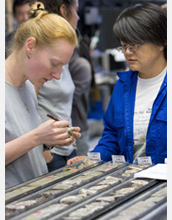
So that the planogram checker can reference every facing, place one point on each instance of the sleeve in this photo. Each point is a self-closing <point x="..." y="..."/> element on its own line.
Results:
<point x="81" y="74"/>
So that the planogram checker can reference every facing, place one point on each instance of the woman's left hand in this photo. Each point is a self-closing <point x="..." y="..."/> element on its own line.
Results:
<point x="76" y="133"/>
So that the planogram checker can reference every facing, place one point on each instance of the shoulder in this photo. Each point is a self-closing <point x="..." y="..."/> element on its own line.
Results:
<point x="125" y="81"/>
<point x="80" y="68"/>
<point x="29" y="85"/>
<point x="79" y="63"/>
<point x="30" y="89"/>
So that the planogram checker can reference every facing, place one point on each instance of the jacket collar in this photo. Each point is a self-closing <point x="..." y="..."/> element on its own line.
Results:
<point x="165" y="79"/>
<point x="127" y="76"/>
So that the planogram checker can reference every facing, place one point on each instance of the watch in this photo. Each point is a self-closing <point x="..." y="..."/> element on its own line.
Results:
<point x="47" y="148"/>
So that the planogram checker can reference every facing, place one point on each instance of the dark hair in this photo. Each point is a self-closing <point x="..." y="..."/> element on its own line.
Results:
<point x="53" y="6"/>
<point x="19" y="3"/>
<point x="142" y="23"/>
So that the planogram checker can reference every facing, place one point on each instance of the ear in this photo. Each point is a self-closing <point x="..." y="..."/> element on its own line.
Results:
<point x="30" y="45"/>
<point x="63" y="11"/>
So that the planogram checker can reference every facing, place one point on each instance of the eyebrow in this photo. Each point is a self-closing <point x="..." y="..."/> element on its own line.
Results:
<point x="57" y="61"/>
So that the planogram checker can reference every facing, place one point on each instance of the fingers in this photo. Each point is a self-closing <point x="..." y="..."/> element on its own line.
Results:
<point x="75" y="132"/>
<point x="60" y="124"/>
<point x="72" y="160"/>
<point x="65" y="134"/>
<point x="70" y="130"/>
<point x="76" y="135"/>
<point x="75" y="159"/>
<point x="58" y="127"/>
<point x="65" y="142"/>
<point x="58" y="133"/>
<point x="77" y="129"/>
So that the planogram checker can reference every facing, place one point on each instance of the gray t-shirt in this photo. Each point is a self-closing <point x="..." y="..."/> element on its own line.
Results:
<point x="55" y="98"/>
<point x="18" y="122"/>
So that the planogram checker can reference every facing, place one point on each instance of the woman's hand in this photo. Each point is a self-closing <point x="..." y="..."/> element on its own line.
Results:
<point x="55" y="133"/>
<point x="75" y="159"/>
<point x="49" y="133"/>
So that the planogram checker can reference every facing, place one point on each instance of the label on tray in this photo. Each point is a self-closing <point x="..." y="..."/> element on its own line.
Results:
<point x="94" y="156"/>
<point x="118" y="159"/>
<point x="145" y="160"/>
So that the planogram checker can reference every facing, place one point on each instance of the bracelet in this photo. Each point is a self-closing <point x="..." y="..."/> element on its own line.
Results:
<point x="47" y="148"/>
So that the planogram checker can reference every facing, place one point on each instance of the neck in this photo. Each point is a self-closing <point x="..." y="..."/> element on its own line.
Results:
<point x="154" y="70"/>
<point x="14" y="73"/>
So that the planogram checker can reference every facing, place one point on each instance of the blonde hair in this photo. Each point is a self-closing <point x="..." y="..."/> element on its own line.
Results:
<point x="44" y="27"/>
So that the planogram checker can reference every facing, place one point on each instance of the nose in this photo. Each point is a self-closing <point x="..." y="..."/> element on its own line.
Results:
<point x="56" y="75"/>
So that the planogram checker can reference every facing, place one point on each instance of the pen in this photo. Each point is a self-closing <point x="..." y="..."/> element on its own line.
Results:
<point x="52" y="117"/>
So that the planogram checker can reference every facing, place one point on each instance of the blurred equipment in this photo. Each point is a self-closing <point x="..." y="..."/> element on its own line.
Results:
<point x="107" y="37"/>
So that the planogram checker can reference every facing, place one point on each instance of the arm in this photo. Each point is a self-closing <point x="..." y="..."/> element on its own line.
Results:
<point x="108" y="144"/>
<point x="50" y="133"/>
<point x="47" y="154"/>
<point x="113" y="141"/>
<point x="19" y="146"/>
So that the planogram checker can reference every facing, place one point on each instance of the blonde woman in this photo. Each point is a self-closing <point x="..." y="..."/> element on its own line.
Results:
<point x="41" y="46"/>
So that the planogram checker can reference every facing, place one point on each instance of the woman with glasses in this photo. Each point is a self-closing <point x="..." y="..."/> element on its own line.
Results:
<point x="136" y="119"/>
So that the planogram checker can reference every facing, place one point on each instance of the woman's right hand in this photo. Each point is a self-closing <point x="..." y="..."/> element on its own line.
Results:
<point x="55" y="133"/>
<point x="49" y="133"/>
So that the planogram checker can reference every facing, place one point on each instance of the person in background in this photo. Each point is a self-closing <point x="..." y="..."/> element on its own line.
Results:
<point x="56" y="97"/>
<point x="42" y="45"/>
<point x="135" y="123"/>
<point x="21" y="14"/>
<point x="81" y="72"/>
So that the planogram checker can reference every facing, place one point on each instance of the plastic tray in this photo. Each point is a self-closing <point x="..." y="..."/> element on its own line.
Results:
<point x="37" y="194"/>
<point x="134" y="213"/>
<point x="112" y="204"/>
<point x="24" y="189"/>
<point x="41" y="209"/>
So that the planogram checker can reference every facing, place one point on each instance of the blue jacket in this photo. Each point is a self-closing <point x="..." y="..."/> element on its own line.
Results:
<point x="117" y="137"/>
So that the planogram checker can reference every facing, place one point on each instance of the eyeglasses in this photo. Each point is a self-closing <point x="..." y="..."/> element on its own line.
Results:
<point x="132" y="48"/>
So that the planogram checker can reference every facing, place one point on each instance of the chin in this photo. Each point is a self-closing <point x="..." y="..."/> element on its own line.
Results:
<point x="133" y="68"/>
<point x="38" y="85"/>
